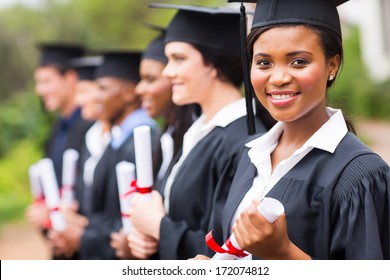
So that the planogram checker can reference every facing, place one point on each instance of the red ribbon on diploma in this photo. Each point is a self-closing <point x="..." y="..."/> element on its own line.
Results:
<point x="65" y="187"/>
<point x="142" y="190"/>
<point x="39" y="200"/>
<point x="213" y="245"/>
<point x="47" y="224"/>
<point x="133" y="189"/>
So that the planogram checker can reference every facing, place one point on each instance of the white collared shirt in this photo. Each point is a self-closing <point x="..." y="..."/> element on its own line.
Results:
<point x="326" y="138"/>
<point x="96" y="142"/>
<point x="167" y="149"/>
<point x="198" y="130"/>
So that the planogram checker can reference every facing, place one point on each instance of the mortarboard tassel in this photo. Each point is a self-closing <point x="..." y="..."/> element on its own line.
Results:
<point x="247" y="84"/>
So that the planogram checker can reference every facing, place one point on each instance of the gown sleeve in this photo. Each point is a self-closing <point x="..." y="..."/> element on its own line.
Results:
<point x="177" y="239"/>
<point x="360" y="213"/>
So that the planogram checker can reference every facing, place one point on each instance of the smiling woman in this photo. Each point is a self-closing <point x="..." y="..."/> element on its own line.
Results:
<point x="204" y="67"/>
<point x="334" y="189"/>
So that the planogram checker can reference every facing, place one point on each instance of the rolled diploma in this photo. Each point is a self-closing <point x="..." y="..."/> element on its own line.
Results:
<point x="143" y="157"/>
<point x="125" y="173"/>
<point x="35" y="182"/>
<point x="270" y="208"/>
<point x="52" y="196"/>
<point x="69" y="170"/>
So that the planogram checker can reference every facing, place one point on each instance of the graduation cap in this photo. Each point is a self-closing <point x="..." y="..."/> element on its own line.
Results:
<point x="275" y="12"/>
<point x="214" y="28"/>
<point x="155" y="49"/>
<point x="321" y="13"/>
<point x="86" y="66"/>
<point x="59" y="53"/>
<point x="120" y="64"/>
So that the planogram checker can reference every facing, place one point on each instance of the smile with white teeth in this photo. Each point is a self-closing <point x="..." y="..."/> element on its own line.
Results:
<point x="282" y="96"/>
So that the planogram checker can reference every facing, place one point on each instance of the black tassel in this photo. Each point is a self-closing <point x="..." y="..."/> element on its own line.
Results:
<point x="247" y="83"/>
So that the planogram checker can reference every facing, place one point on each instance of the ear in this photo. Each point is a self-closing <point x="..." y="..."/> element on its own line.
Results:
<point x="214" y="72"/>
<point x="334" y="65"/>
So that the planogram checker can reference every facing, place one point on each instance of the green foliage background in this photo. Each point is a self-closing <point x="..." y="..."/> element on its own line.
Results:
<point x="24" y="125"/>
<point x="101" y="25"/>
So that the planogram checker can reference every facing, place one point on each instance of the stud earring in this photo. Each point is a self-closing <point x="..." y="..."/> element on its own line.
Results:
<point x="330" y="77"/>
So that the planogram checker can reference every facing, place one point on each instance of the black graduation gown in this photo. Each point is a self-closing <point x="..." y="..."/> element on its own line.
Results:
<point x="200" y="187"/>
<point x="336" y="205"/>
<point x="105" y="216"/>
<point x="74" y="139"/>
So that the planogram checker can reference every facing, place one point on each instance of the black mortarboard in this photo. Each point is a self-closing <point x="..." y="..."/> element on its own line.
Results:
<point x="214" y="28"/>
<point x="86" y="66"/>
<point x="155" y="49"/>
<point x="120" y="64"/>
<point x="316" y="12"/>
<point x="59" y="53"/>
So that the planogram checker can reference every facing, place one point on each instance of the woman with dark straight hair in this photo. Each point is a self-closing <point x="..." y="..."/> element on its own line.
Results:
<point x="204" y="67"/>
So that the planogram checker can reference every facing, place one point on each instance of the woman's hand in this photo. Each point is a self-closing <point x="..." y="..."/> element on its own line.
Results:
<point x="200" y="258"/>
<point x="260" y="238"/>
<point x="146" y="214"/>
<point x="119" y="243"/>
<point x="68" y="241"/>
<point x="37" y="215"/>
<point x="140" y="245"/>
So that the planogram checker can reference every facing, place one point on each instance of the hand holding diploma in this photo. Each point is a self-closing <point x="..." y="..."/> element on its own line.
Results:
<point x="270" y="209"/>
<point x="51" y="191"/>
<point x="69" y="172"/>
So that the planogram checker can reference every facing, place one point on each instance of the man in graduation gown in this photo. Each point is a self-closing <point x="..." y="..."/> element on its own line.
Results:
<point x="120" y="106"/>
<point x="55" y="83"/>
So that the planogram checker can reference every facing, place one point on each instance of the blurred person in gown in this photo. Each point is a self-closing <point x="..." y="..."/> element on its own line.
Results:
<point x="116" y="79"/>
<point x="56" y="82"/>
<point x="155" y="91"/>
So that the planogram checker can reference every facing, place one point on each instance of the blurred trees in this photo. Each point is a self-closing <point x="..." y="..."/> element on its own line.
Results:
<point x="24" y="125"/>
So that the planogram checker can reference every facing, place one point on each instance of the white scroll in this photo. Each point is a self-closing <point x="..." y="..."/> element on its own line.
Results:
<point x="270" y="209"/>
<point x="69" y="172"/>
<point x="143" y="159"/>
<point x="35" y="183"/>
<point x="125" y="174"/>
<point x="51" y="191"/>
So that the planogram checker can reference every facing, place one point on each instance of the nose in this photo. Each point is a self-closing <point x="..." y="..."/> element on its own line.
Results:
<point x="169" y="71"/>
<point x="140" y="88"/>
<point x="280" y="76"/>
<point x="39" y="89"/>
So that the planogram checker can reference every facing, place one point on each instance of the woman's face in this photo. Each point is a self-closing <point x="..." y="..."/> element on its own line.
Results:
<point x="114" y="96"/>
<point x="86" y="99"/>
<point x="154" y="89"/>
<point x="289" y="72"/>
<point x="191" y="78"/>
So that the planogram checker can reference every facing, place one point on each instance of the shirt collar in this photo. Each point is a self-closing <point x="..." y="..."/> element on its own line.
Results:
<point x="227" y="114"/>
<point x="68" y="121"/>
<point x="96" y="140"/>
<point x="120" y="133"/>
<point x="335" y="126"/>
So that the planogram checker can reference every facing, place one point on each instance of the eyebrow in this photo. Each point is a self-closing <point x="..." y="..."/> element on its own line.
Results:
<point x="294" y="53"/>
